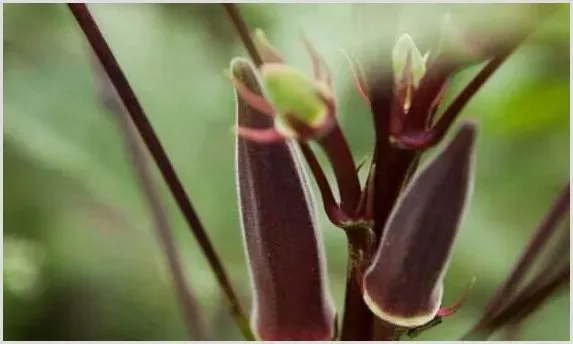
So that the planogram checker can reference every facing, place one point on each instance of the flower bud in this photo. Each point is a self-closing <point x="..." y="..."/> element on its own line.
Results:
<point x="404" y="283"/>
<point x="292" y="92"/>
<point x="291" y="299"/>
<point x="404" y="50"/>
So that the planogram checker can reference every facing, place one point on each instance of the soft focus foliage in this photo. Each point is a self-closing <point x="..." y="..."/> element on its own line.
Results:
<point x="81" y="260"/>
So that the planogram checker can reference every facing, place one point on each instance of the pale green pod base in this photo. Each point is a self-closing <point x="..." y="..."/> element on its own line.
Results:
<point x="408" y="322"/>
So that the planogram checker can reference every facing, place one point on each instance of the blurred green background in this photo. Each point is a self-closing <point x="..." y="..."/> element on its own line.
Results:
<point x="80" y="256"/>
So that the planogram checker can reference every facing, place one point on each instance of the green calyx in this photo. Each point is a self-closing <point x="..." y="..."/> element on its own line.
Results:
<point x="290" y="91"/>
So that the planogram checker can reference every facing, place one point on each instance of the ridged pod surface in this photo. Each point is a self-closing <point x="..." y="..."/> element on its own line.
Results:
<point x="291" y="299"/>
<point x="403" y="284"/>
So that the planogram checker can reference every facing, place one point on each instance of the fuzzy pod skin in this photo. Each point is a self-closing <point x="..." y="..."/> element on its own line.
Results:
<point x="404" y="283"/>
<point x="291" y="299"/>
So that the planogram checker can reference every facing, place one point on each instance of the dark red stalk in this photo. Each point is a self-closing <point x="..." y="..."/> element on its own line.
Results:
<point x="390" y="175"/>
<point x="338" y="153"/>
<point x="435" y="134"/>
<point x="522" y="306"/>
<point x="366" y="201"/>
<point x="381" y="95"/>
<point x="551" y="272"/>
<point x="244" y="32"/>
<point x="330" y="207"/>
<point x="357" y="320"/>
<point x="430" y="88"/>
<point x="394" y="169"/>
<point x="149" y="137"/>
<point x="337" y="150"/>
<point x="531" y="299"/>
<point x="391" y="163"/>
<point x="541" y="236"/>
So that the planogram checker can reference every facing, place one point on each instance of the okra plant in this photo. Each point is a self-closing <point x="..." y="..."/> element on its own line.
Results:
<point x="401" y="222"/>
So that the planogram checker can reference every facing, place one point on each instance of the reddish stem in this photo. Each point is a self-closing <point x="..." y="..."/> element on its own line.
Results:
<point x="357" y="320"/>
<point x="244" y="32"/>
<point x="332" y="210"/>
<point x="541" y="236"/>
<point x="338" y="153"/>
<point x="529" y="300"/>
<point x="452" y="112"/>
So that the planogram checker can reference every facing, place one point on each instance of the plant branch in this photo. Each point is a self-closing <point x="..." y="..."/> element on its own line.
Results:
<point x="337" y="150"/>
<point x="331" y="209"/>
<point x="357" y="318"/>
<point x="532" y="298"/>
<point x="543" y="233"/>
<point x="455" y="108"/>
<point x="529" y="300"/>
<point x="149" y="137"/>
<point x="244" y="32"/>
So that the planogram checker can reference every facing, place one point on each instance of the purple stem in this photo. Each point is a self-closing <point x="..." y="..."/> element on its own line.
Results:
<point x="337" y="150"/>
<point x="541" y="236"/>
<point x="528" y="301"/>
<point x="244" y="32"/>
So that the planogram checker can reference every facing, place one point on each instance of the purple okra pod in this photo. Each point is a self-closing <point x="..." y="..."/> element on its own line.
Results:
<point x="291" y="298"/>
<point x="403" y="284"/>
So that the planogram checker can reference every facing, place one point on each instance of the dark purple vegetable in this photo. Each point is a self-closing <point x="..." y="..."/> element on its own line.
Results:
<point x="291" y="300"/>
